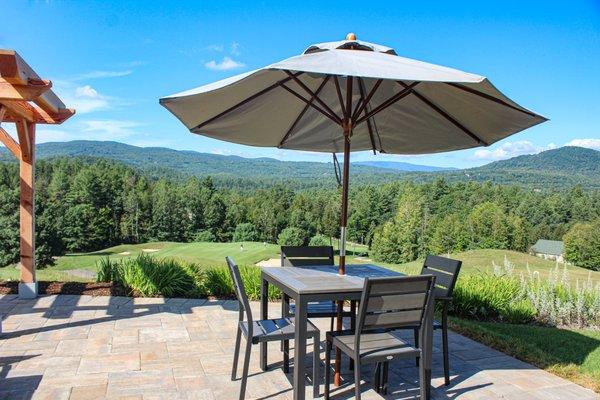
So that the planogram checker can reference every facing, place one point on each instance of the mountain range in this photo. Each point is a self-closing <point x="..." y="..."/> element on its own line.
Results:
<point x="562" y="167"/>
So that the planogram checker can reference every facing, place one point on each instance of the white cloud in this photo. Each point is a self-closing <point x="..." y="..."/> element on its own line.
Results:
<point x="235" y="49"/>
<point x="589" y="143"/>
<point x="224" y="65"/>
<point x="511" y="149"/>
<point x="108" y="129"/>
<point x="215" y="47"/>
<point x="102" y="74"/>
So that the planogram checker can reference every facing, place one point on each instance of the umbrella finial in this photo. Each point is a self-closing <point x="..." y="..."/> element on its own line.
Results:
<point x="351" y="36"/>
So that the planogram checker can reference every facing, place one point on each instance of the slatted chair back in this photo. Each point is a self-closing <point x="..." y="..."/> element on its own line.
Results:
<point x="303" y="256"/>
<point x="445" y="271"/>
<point x="394" y="303"/>
<point x="240" y="292"/>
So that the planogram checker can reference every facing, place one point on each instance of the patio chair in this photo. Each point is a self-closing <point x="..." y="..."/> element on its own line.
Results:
<point x="306" y="256"/>
<point x="262" y="331"/>
<point x="386" y="304"/>
<point x="446" y="272"/>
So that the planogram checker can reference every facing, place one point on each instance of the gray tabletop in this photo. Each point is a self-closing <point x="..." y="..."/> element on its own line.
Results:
<point x="325" y="279"/>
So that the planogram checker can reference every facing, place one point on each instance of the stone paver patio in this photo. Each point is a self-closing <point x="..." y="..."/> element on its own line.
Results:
<point x="83" y="347"/>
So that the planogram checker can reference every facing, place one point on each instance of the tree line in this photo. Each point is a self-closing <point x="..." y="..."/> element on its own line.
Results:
<point x="85" y="205"/>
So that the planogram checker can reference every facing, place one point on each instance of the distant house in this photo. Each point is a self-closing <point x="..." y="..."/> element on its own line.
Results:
<point x="549" y="250"/>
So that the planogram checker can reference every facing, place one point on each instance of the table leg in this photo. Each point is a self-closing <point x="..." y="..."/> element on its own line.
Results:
<point x="337" y="378"/>
<point x="300" y="322"/>
<point x="264" y="314"/>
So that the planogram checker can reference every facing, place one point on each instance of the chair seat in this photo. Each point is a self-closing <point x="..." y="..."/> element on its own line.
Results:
<point x="320" y="309"/>
<point x="275" y="329"/>
<point x="374" y="347"/>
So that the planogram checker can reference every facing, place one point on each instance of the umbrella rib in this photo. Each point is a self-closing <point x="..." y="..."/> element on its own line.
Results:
<point x="388" y="102"/>
<point x="447" y="116"/>
<point x="306" y="107"/>
<point x="310" y="92"/>
<point x="369" y="96"/>
<point x="339" y="94"/>
<point x="246" y="100"/>
<point x="362" y="97"/>
<point x="492" y="98"/>
<point x="334" y="118"/>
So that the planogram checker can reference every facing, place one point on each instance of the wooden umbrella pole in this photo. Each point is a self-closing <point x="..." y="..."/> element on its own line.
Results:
<point x="347" y="126"/>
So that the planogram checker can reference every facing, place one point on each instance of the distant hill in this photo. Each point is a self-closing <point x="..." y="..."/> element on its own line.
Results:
<point x="552" y="169"/>
<point x="403" y="166"/>
<point x="249" y="172"/>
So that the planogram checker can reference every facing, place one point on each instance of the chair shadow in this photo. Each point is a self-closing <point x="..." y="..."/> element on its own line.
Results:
<point x="22" y="387"/>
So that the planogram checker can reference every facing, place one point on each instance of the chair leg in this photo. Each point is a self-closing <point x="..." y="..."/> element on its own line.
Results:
<point x="377" y="378"/>
<point x="245" y="371"/>
<point x="384" y="379"/>
<point x="286" y="356"/>
<point x="445" y="347"/>
<point x="236" y="354"/>
<point x="422" y="381"/>
<point x="416" y="332"/>
<point x="285" y="310"/>
<point x="352" y="327"/>
<point x="316" y="365"/>
<point x="331" y="325"/>
<point x="357" y="380"/>
<point x="327" y="367"/>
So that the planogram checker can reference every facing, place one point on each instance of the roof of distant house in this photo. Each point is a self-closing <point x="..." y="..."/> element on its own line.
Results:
<point x="551" y="247"/>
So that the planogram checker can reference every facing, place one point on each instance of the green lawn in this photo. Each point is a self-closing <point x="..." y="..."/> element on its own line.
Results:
<point x="573" y="354"/>
<point x="208" y="254"/>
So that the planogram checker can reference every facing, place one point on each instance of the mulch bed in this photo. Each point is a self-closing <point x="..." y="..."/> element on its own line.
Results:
<point x="78" y="288"/>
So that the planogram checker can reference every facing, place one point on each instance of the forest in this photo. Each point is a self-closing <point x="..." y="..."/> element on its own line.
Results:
<point x="85" y="204"/>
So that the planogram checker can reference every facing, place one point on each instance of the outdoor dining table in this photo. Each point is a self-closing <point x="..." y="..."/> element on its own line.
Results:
<point x="318" y="283"/>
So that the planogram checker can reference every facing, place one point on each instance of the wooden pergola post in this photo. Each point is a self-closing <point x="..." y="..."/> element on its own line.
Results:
<point x="26" y="100"/>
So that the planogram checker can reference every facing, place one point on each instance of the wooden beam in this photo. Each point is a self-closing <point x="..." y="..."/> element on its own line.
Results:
<point x="26" y="131"/>
<point x="10" y="143"/>
<point x="25" y="143"/>
<point x="18" y="110"/>
<point x="16" y="71"/>
<point x="30" y="91"/>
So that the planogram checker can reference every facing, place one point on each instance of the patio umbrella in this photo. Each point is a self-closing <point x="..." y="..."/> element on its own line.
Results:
<point x="350" y="96"/>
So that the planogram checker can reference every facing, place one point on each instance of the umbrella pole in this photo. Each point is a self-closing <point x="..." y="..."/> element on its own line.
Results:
<point x="342" y="265"/>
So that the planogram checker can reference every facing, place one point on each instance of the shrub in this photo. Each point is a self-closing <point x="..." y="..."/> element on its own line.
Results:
<point x="320" y="240"/>
<point x="487" y="296"/>
<point x="292" y="237"/>
<point x="245" y="232"/>
<point x="582" y="245"/>
<point x="205" y="236"/>
<point x="217" y="282"/>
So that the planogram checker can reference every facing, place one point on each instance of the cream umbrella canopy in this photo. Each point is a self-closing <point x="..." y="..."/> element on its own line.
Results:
<point x="350" y="96"/>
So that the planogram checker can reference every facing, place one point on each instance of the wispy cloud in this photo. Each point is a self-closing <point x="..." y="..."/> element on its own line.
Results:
<point x="588" y="143"/>
<point x="227" y="63"/>
<point x="108" y="129"/>
<point x="215" y="47"/>
<point x="102" y="74"/>
<point x="511" y="149"/>
<point x="235" y="49"/>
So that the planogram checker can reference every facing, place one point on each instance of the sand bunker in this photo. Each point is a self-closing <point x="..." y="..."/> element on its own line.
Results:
<point x="125" y="253"/>
<point x="150" y="250"/>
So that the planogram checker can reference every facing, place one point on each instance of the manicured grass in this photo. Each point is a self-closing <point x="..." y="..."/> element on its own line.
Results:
<point x="573" y="354"/>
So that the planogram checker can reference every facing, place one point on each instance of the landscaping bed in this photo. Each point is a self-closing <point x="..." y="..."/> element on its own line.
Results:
<point x="76" y="288"/>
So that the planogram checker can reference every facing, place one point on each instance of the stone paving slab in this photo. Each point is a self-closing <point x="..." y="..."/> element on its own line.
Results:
<point x="85" y="347"/>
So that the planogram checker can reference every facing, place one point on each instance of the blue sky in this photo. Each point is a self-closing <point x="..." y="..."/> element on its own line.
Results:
<point x="112" y="60"/>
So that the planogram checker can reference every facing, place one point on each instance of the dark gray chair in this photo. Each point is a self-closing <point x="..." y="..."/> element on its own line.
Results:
<point x="265" y="331"/>
<point x="386" y="304"/>
<point x="306" y="256"/>
<point x="446" y="272"/>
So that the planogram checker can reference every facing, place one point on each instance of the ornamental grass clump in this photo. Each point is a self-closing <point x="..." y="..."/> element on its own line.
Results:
<point x="216" y="281"/>
<point x="147" y="276"/>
